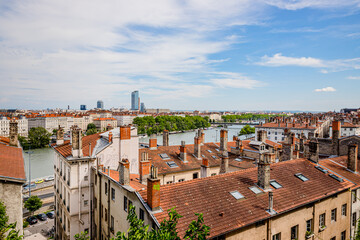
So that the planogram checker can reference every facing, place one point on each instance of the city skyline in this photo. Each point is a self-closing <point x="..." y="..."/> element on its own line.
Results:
<point x="233" y="55"/>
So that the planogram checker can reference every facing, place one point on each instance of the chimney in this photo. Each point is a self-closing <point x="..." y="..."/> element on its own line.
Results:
<point x="60" y="136"/>
<point x="224" y="165"/>
<point x="13" y="133"/>
<point x="336" y="134"/>
<point x="166" y="138"/>
<point x="264" y="172"/>
<point x="223" y="141"/>
<point x="262" y="135"/>
<point x="125" y="132"/>
<point x="153" y="189"/>
<point x="314" y="150"/>
<point x="124" y="173"/>
<point x="352" y="157"/>
<point x="205" y="168"/>
<point x="183" y="151"/>
<point x="271" y="202"/>
<point x="201" y="136"/>
<point x="197" y="147"/>
<point x="153" y="142"/>
<point x="144" y="167"/>
<point x="76" y="142"/>
<point x="234" y="138"/>
<point x="110" y="137"/>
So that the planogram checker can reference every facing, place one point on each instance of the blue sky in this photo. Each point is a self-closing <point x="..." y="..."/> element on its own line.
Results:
<point x="203" y="54"/>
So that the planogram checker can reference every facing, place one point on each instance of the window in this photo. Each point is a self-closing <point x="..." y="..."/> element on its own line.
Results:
<point x="181" y="180"/>
<point x="354" y="196"/>
<point x="125" y="204"/>
<point x="238" y="159"/>
<point x="309" y="225"/>
<point x="164" y="156"/>
<point x="130" y="203"/>
<point x="354" y="219"/>
<point x="294" y="232"/>
<point x="102" y="211"/>
<point x="106" y="188"/>
<point x="333" y="238"/>
<point x="343" y="209"/>
<point x="141" y="214"/>
<point x="275" y="133"/>
<point x="275" y="138"/>
<point x="275" y="184"/>
<point x="209" y="151"/>
<point x="322" y="220"/>
<point x="277" y="236"/>
<point x="95" y="202"/>
<point x="86" y="178"/>
<point x="86" y="202"/>
<point x="336" y="177"/>
<point x="169" y="182"/>
<point x="105" y="215"/>
<point x="112" y="224"/>
<point x="255" y="190"/>
<point x="195" y="175"/>
<point x="172" y="164"/>
<point x="237" y="195"/>
<point x="213" y="174"/>
<point x="321" y="169"/>
<point x="113" y="194"/>
<point x="343" y="235"/>
<point x="333" y="214"/>
<point x="301" y="177"/>
<point x="95" y="179"/>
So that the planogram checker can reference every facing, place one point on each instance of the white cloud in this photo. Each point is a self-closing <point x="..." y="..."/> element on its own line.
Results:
<point x="235" y="80"/>
<point x="300" y="4"/>
<point x="326" y="89"/>
<point x="278" y="60"/>
<point x="354" y="77"/>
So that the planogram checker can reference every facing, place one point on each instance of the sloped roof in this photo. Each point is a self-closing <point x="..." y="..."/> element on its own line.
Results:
<point x="11" y="161"/>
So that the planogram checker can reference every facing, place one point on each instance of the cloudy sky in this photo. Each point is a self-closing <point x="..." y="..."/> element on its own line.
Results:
<point x="201" y="54"/>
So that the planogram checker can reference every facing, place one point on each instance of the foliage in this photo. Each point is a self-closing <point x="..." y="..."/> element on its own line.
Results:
<point x="138" y="231"/>
<point x="33" y="203"/>
<point x="25" y="224"/>
<point x="91" y="129"/>
<point x="82" y="236"/>
<point x="151" y="125"/>
<point x="7" y="230"/>
<point x="38" y="137"/>
<point x="246" y="130"/>
<point x="23" y="142"/>
<point x="91" y="126"/>
<point x="54" y="131"/>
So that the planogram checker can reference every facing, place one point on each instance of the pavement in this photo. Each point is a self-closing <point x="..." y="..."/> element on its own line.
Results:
<point x="34" y="231"/>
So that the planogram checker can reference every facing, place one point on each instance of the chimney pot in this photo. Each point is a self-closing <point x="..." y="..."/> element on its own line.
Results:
<point x="352" y="163"/>
<point x="153" y="190"/>
<point x="124" y="172"/>
<point x="153" y="142"/>
<point x="183" y="151"/>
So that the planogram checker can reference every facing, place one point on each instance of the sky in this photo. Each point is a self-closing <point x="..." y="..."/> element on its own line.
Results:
<point x="194" y="55"/>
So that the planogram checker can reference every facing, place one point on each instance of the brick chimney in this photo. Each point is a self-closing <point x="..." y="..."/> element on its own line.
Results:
<point x="352" y="157"/>
<point x="13" y="133"/>
<point x="261" y="135"/>
<point x="153" y="189"/>
<point x="166" y="138"/>
<point x="124" y="172"/>
<point x="264" y="172"/>
<point x="183" y="151"/>
<point x="197" y="147"/>
<point x="205" y="168"/>
<point x="201" y="136"/>
<point x="125" y="132"/>
<point x="314" y="150"/>
<point x="144" y="167"/>
<point x="76" y="142"/>
<point x="223" y="141"/>
<point x="110" y="137"/>
<point x="336" y="134"/>
<point x="60" y="136"/>
<point x="224" y="165"/>
<point x="153" y="142"/>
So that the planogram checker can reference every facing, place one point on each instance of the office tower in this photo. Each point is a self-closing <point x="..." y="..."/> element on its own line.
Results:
<point x="135" y="99"/>
<point x="142" y="107"/>
<point x="82" y="107"/>
<point x="100" y="104"/>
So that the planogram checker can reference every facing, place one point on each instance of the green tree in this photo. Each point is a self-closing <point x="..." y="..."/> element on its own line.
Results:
<point x="91" y="131"/>
<point x="38" y="137"/>
<point x="33" y="203"/>
<point x="24" y="142"/>
<point x="246" y="130"/>
<point x="197" y="229"/>
<point x="91" y="126"/>
<point x="7" y="230"/>
<point x="82" y="236"/>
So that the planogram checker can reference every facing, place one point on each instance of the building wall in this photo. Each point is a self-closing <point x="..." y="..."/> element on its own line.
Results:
<point x="11" y="196"/>
<point x="277" y="134"/>
<point x="185" y="175"/>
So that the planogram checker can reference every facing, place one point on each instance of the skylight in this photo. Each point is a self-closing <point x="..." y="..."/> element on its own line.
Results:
<point x="238" y="159"/>
<point x="336" y="177"/>
<point x="237" y="195"/>
<point x="172" y="164"/>
<point x="209" y="151"/>
<point x="275" y="184"/>
<point x="302" y="177"/>
<point x="217" y="149"/>
<point x="214" y="157"/>
<point x="164" y="156"/>
<point x="321" y="169"/>
<point x="255" y="190"/>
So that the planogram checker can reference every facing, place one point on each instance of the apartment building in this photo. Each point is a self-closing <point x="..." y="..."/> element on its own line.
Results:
<point x="51" y="121"/>
<point x="124" y="118"/>
<point x="72" y="163"/>
<point x="104" y="124"/>
<point x="293" y="199"/>
<point x="12" y="176"/>
<point x="5" y="126"/>
<point x="348" y="129"/>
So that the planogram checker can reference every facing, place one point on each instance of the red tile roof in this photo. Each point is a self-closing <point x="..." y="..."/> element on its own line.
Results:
<point x="134" y="179"/>
<point x="11" y="161"/>
<point x="65" y="149"/>
<point x="222" y="212"/>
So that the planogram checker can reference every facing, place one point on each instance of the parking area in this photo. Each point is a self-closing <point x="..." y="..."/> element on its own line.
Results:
<point x="40" y="228"/>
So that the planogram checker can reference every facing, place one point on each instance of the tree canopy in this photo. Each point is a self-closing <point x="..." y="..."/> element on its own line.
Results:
<point x="33" y="203"/>
<point x="246" y="130"/>
<point x="7" y="230"/>
<point x="150" y="125"/>
<point x="38" y="137"/>
<point x="247" y="116"/>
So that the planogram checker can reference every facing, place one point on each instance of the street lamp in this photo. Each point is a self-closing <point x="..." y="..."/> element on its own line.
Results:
<point x="29" y="152"/>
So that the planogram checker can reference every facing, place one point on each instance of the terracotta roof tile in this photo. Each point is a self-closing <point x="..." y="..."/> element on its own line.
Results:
<point x="11" y="162"/>
<point x="65" y="149"/>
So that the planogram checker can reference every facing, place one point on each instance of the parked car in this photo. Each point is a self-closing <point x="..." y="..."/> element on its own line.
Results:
<point x="32" y="220"/>
<point x="48" y="179"/>
<point x="39" y="181"/>
<point x="42" y="217"/>
<point x="26" y="186"/>
<point x="51" y="214"/>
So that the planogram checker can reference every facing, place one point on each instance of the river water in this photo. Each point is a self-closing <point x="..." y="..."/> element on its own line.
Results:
<point x="42" y="159"/>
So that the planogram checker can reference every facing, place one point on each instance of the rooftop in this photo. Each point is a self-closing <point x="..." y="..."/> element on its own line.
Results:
<point x="11" y="161"/>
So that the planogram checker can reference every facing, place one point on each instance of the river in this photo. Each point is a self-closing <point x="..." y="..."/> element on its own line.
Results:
<point x="42" y="159"/>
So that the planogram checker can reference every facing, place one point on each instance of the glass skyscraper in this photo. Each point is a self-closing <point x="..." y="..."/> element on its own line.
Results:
<point x="100" y="104"/>
<point x="135" y="100"/>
